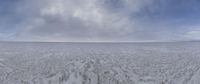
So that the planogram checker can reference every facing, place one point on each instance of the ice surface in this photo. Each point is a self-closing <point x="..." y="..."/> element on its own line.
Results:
<point x="100" y="63"/>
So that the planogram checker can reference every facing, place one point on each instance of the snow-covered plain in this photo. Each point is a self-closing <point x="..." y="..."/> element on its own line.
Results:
<point x="100" y="63"/>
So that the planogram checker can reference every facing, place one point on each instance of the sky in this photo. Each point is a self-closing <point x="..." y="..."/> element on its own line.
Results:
<point x="99" y="20"/>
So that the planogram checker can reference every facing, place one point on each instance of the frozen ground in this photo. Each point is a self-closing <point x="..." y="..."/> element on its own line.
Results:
<point x="102" y="63"/>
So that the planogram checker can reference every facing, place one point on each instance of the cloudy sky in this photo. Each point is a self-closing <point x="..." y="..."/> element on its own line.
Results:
<point x="99" y="20"/>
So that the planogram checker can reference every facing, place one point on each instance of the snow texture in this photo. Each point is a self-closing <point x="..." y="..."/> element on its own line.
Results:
<point x="100" y="63"/>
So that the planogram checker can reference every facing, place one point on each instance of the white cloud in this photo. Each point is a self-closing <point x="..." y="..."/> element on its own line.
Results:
<point x="73" y="20"/>
<point x="53" y="9"/>
<point x="91" y="20"/>
<point x="193" y="33"/>
<point x="6" y="36"/>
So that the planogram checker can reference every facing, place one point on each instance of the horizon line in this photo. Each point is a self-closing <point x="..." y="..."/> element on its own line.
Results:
<point x="101" y="41"/>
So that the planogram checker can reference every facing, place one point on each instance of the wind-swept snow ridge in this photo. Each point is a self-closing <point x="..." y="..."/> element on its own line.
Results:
<point x="100" y="63"/>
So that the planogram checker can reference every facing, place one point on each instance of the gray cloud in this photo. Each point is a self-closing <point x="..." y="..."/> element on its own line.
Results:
<point x="94" y="20"/>
<point x="72" y="20"/>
